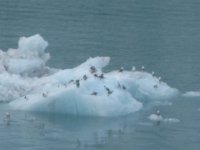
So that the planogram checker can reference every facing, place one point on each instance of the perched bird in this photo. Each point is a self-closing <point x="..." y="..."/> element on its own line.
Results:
<point x="123" y="87"/>
<point x="108" y="90"/>
<point x="101" y="76"/>
<point x="121" y="69"/>
<point x="95" y="75"/>
<point x="25" y="97"/>
<point x="77" y="83"/>
<point x="71" y="81"/>
<point x="93" y="69"/>
<point x="44" y="94"/>
<point x="133" y="68"/>
<point x="156" y="117"/>
<point x="84" y="77"/>
<point x="7" y="115"/>
<point x="94" y="93"/>
<point x="142" y="68"/>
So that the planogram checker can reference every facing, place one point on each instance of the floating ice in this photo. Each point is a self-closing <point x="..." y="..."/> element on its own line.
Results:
<point x="159" y="118"/>
<point x="155" y="117"/>
<point x="30" y="85"/>
<point x="171" y="120"/>
<point x="192" y="94"/>
<point x="163" y="103"/>
<point x="29" y="58"/>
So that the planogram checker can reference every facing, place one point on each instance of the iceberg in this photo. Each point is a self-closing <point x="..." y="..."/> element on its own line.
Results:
<point x="28" y="84"/>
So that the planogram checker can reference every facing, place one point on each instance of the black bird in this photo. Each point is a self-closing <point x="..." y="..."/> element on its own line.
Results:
<point x="101" y="76"/>
<point x="123" y="87"/>
<point x="93" y="69"/>
<point x="25" y="97"/>
<point x="94" y="93"/>
<point x="108" y="90"/>
<point x="84" y="77"/>
<point x="77" y="83"/>
<point x="44" y="94"/>
<point x="121" y="69"/>
<point x="71" y="81"/>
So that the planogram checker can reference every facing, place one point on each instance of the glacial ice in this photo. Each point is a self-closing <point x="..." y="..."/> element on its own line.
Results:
<point x="156" y="118"/>
<point x="27" y="83"/>
<point x="191" y="94"/>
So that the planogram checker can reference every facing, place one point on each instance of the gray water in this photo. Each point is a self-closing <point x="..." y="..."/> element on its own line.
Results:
<point x="164" y="36"/>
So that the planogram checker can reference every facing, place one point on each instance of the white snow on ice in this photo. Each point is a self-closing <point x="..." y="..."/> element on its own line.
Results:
<point x="27" y="83"/>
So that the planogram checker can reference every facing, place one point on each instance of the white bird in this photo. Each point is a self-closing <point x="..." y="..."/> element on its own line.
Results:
<point x="133" y="68"/>
<point x="7" y="115"/>
<point x="159" y="78"/>
<point x="142" y="67"/>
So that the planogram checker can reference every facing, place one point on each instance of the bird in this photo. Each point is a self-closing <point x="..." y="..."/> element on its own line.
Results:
<point x="93" y="69"/>
<point x="123" y="87"/>
<point x="108" y="90"/>
<point x="133" y="68"/>
<point x="77" y="83"/>
<point x="44" y="94"/>
<point x="142" y="68"/>
<point x="101" y="76"/>
<point x="94" y="93"/>
<point x="95" y="75"/>
<point x="159" y="78"/>
<point x="158" y="112"/>
<point x="71" y="81"/>
<point x="25" y="97"/>
<point x="121" y="69"/>
<point x="84" y="77"/>
<point x="7" y="115"/>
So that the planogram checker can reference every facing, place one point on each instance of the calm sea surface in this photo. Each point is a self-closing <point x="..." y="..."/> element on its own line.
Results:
<point x="164" y="36"/>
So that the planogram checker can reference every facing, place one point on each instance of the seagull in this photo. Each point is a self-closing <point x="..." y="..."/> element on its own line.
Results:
<point x="71" y="81"/>
<point x="7" y="115"/>
<point x="108" y="90"/>
<point x="142" y="68"/>
<point x="121" y="69"/>
<point x="44" y="94"/>
<point x="93" y="93"/>
<point x="95" y="75"/>
<point x="84" y="77"/>
<point x="77" y="83"/>
<point x="133" y="68"/>
<point x="123" y="87"/>
<point x="101" y="76"/>
<point x="25" y="97"/>
<point x="93" y="69"/>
